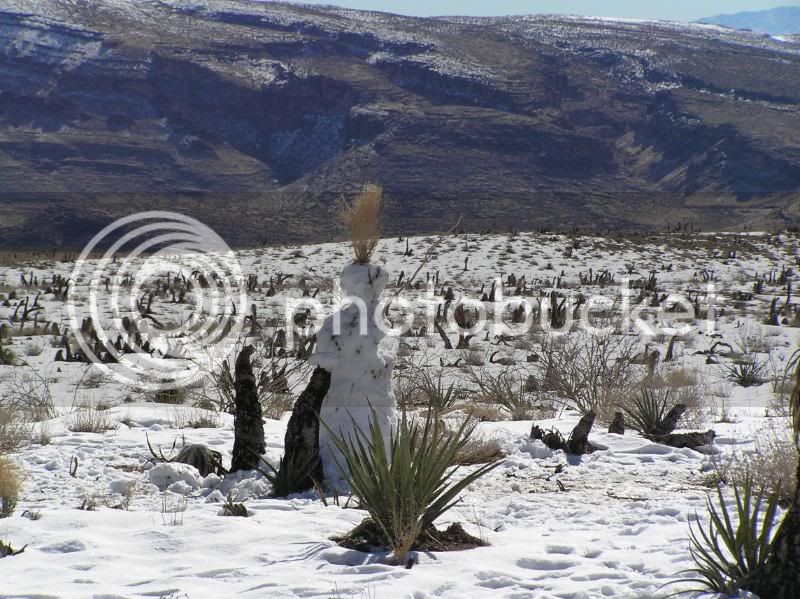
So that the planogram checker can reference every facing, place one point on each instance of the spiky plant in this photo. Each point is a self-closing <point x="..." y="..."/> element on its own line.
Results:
<point x="407" y="484"/>
<point x="734" y="545"/>
<point x="645" y="411"/>
<point x="779" y="578"/>
<point x="441" y="397"/>
<point x="289" y="477"/>
<point x="362" y="218"/>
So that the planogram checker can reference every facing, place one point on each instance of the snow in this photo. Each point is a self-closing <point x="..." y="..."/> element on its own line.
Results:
<point x="616" y="527"/>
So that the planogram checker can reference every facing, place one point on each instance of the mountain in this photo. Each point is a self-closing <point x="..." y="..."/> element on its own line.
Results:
<point x="256" y="116"/>
<point x="784" y="20"/>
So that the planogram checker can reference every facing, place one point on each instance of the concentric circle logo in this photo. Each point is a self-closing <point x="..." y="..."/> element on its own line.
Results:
<point x="163" y="303"/>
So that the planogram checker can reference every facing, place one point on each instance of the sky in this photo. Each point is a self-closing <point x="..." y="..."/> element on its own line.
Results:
<point x="676" y="10"/>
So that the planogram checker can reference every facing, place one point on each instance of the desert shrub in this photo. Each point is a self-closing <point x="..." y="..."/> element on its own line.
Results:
<point x="27" y="394"/>
<point x="185" y="417"/>
<point x="751" y="365"/>
<point x="771" y="463"/>
<point x="275" y="405"/>
<point x="291" y="476"/>
<point x="506" y="389"/>
<point x="7" y="550"/>
<point x="7" y="357"/>
<point x="589" y="370"/>
<point x="747" y="372"/>
<point x="409" y="483"/>
<point x="736" y="541"/>
<point x="33" y="349"/>
<point x="473" y="357"/>
<point x="172" y="395"/>
<point x="10" y="485"/>
<point x="479" y="450"/>
<point x="86" y="418"/>
<point x="15" y="430"/>
<point x="361" y="217"/>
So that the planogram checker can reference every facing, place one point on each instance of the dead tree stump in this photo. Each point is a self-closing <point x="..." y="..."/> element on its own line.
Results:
<point x="681" y="440"/>
<point x="248" y="423"/>
<point x="670" y="422"/>
<point x="578" y="442"/>
<point x="302" y="433"/>
<point x="618" y="424"/>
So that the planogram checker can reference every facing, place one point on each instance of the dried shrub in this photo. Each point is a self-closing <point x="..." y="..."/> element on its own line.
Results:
<point x="362" y="218"/>
<point x="10" y="486"/>
<point x="86" y="418"/>
<point x="15" y="430"/>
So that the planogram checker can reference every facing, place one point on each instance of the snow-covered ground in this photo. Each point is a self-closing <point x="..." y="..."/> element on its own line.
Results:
<point x="610" y="524"/>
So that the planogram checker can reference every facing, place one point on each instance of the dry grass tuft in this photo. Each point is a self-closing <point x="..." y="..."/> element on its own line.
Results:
<point x="362" y="217"/>
<point x="10" y="485"/>
<point x="479" y="451"/>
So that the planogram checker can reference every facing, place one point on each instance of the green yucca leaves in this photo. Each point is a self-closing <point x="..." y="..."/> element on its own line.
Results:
<point x="646" y="412"/>
<point x="407" y="483"/>
<point x="728" y="552"/>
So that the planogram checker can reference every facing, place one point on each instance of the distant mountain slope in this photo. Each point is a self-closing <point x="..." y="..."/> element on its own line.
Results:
<point x="255" y="116"/>
<point x="784" y="20"/>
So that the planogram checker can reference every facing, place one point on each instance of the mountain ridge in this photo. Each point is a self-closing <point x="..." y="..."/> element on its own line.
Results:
<point x="782" y="20"/>
<point x="254" y="117"/>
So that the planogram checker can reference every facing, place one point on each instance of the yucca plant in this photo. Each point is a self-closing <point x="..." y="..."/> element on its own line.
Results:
<point x="407" y="484"/>
<point x="747" y="372"/>
<point x="645" y="412"/>
<point x="734" y="546"/>
<point x="291" y="476"/>
<point x="441" y="397"/>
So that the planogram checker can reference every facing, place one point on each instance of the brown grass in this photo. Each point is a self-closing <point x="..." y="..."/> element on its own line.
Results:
<point x="362" y="217"/>
<point x="10" y="485"/>
<point x="479" y="451"/>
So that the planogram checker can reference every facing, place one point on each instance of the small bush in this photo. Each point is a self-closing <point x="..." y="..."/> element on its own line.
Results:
<point x="771" y="463"/>
<point x="15" y="430"/>
<point x="172" y="396"/>
<point x="7" y="357"/>
<point x="275" y="405"/>
<point x="194" y="418"/>
<point x="7" y="550"/>
<point x="33" y="349"/>
<point x="479" y="451"/>
<point x="747" y="372"/>
<point x="733" y="545"/>
<point x="406" y="488"/>
<point x="10" y="485"/>
<point x="88" y="419"/>
<point x="506" y="389"/>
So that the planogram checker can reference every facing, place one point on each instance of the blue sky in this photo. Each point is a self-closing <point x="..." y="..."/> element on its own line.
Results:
<point x="678" y="10"/>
